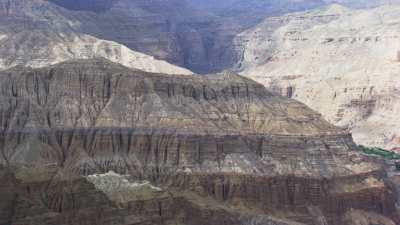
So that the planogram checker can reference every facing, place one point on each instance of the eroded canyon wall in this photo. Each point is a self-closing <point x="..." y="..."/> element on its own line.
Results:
<point x="219" y="141"/>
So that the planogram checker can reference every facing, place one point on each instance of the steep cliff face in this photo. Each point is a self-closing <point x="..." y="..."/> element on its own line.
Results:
<point x="221" y="146"/>
<point x="345" y="70"/>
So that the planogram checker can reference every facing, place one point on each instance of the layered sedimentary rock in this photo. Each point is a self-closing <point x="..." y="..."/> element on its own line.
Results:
<point x="341" y="62"/>
<point x="217" y="149"/>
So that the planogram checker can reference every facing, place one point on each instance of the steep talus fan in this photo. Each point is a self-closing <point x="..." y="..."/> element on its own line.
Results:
<point x="217" y="149"/>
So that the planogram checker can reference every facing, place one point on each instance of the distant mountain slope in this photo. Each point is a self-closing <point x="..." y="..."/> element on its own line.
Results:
<point x="343" y="63"/>
<point x="42" y="48"/>
<point x="36" y="33"/>
<point x="190" y="33"/>
<point x="196" y="35"/>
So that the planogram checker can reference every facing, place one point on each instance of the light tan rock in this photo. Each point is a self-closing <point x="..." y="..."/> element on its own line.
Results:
<point x="43" y="48"/>
<point x="339" y="61"/>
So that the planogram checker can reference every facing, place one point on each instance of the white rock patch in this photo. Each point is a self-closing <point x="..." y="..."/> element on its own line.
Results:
<point x="112" y="182"/>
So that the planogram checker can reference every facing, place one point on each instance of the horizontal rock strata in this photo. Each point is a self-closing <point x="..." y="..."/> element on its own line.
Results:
<point x="223" y="139"/>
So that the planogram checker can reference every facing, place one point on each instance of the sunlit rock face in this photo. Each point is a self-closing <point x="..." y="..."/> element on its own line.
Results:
<point x="81" y="139"/>
<point x="43" y="48"/>
<point x="341" y="62"/>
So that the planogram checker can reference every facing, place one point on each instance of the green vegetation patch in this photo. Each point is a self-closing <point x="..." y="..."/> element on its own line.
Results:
<point x="380" y="152"/>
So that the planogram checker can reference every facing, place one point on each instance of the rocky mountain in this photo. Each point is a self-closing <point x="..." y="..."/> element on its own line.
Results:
<point x="184" y="33"/>
<point x="42" y="48"/>
<point x="92" y="132"/>
<point x="193" y="34"/>
<point x="93" y="142"/>
<point x="161" y="28"/>
<point x="342" y="62"/>
<point x="33" y="33"/>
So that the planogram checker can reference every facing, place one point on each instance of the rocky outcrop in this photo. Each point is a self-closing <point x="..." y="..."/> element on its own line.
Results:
<point x="348" y="71"/>
<point x="221" y="146"/>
